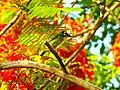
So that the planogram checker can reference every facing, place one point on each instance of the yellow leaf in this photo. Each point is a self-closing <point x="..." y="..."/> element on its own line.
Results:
<point x="3" y="86"/>
<point x="36" y="58"/>
<point x="118" y="70"/>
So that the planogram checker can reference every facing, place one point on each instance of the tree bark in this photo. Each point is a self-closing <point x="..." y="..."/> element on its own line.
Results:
<point x="31" y="64"/>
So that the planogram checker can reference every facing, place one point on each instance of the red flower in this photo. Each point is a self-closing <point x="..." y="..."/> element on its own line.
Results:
<point x="22" y="87"/>
<point x="2" y="25"/>
<point x="64" y="53"/>
<point x="10" y="40"/>
<point x="30" y="86"/>
<point x="117" y="62"/>
<point x="14" y="57"/>
<point x="8" y="75"/>
<point x="55" y="22"/>
<point x="80" y="67"/>
<point x="4" y="0"/>
<point x="3" y="48"/>
<point x="74" y="25"/>
<point x="12" y="86"/>
<point x="116" y="50"/>
<point x="23" y="82"/>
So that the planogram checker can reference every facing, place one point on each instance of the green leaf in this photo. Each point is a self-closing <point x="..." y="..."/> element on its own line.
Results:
<point x="6" y="16"/>
<point x="53" y="63"/>
<point x="46" y="12"/>
<point x="102" y="49"/>
<point x="26" y="38"/>
<point x="106" y="59"/>
<point x="85" y="2"/>
<point x="95" y="12"/>
<point x="51" y="86"/>
<point x="67" y="10"/>
<point x="95" y="38"/>
<point x="93" y="57"/>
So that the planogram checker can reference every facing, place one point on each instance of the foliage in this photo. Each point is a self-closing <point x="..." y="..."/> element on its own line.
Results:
<point x="67" y="29"/>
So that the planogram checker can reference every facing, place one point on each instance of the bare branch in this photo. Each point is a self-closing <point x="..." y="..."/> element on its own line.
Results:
<point x="31" y="64"/>
<point x="57" y="56"/>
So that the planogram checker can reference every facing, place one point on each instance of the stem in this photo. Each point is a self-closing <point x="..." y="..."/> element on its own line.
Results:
<point x="31" y="64"/>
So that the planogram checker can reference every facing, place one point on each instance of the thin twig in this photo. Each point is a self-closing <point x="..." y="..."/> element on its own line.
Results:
<point x="113" y="15"/>
<point x="112" y="8"/>
<point x="31" y="64"/>
<point x="57" y="56"/>
<point x="82" y="32"/>
<point x="46" y="82"/>
<point x="109" y="10"/>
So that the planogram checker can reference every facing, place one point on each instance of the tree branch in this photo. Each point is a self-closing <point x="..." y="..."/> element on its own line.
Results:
<point x="57" y="56"/>
<point x="92" y="31"/>
<point x="84" y="40"/>
<point x="82" y="32"/>
<point x="45" y="83"/>
<point x="112" y="8"/>
<point x="13" y="21"/>
<point x="113" y="15"/>
<point x="31" y="64"/>
<point x="109" y="11"/>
